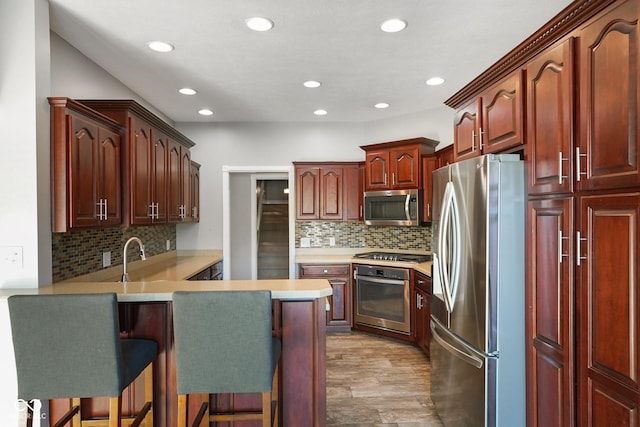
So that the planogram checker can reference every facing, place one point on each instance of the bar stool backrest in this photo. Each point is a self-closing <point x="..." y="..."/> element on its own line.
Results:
<point x="223" y="342"/>
<point x="66" y="345"/>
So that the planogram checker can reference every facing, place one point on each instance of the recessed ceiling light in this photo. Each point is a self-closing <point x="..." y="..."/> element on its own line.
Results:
<point x="258" y="23"/>
<point x="160" y="46"/>
<point x="435" y="81"/>
<point x="393" y="25"/>
<point x="381" y="105"/>
<point x="187" y="91"/>
<point x="312" y="83"/>
<point x="205" y="112"/>
<point x="320" y="112"/>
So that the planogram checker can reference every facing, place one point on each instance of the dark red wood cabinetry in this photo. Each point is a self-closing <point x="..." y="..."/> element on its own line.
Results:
<point x="493" y="122"/>
<point x="85" y="167"/>
<point x="422" y="301"/>
<point x="396" y="165"/>
<point x="339" y="316"/>
<point x="328" y="191"/>
<point x="429" y="164"/>
<point x="581" y="124"/>
<point x="156" y="165"/>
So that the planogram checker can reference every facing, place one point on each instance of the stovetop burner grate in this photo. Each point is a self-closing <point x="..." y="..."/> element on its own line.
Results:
<point x="394" y="256"/>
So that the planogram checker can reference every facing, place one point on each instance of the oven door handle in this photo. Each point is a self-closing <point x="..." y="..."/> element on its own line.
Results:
<point x="382" y="280"/>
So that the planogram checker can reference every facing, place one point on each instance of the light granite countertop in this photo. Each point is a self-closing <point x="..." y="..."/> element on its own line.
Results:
<point x="347" y="256"/>
<point x="159" y="276"/>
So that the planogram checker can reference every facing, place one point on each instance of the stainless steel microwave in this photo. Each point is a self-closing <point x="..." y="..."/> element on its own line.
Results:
<point x="393" y="207"/>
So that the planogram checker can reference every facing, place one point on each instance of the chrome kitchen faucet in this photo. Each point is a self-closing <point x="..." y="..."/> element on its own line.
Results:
<point x="125" y="275"/>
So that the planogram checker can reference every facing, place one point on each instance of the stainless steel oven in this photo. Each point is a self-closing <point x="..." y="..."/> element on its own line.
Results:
<point x="382" y="298"/>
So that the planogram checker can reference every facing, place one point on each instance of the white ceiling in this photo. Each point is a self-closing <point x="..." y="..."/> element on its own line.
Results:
<point x="248" y="76"/>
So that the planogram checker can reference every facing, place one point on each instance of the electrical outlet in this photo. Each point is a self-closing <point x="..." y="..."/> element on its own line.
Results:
<point x="332" y="241"/>
<point x="11" y="256"/>
<point x="168" y="244"/>
<point x="305" y="242"/>
<point x="106" y="259"/>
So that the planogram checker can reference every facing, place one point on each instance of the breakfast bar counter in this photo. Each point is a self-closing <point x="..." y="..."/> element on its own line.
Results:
<point x="299" y="314"/>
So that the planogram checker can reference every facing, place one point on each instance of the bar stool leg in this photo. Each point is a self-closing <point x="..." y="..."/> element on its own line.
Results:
<point x="148" y="394"/>
<point x="266" y="409"/>
<point x="76" y="421"/>
<point x="115" y="411"/>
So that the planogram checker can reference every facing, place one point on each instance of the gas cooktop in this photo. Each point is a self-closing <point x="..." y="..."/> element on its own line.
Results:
<point x="394" y="256"/>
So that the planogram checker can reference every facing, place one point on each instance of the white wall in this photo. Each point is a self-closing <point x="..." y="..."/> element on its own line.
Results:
<point x="24" y="166"/>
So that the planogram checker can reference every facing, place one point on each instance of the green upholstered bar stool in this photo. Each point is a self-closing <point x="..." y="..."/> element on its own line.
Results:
<point x="68" y="346"/>
<point x="223" y="344"/>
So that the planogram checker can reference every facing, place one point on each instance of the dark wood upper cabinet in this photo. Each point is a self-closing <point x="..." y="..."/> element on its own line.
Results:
<point x="331" y="193"/>
<point x="328" y="191"/>
<point x="85" y="167"/>
<point x="466" y="130"/>
<point x="195" y="191"/>
<point x="396" y="165"/>
<point x="445" y="156"/>
<point x="609" y="92"/>
<point x="429" y="164"/>
<point x="550" y="112"/>
<point x="156" y="165"/>
<point x="491" y="123"/>
<point x="502" y="115"/>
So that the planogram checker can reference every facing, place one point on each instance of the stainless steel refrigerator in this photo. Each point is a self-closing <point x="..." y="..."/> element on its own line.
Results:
<point x="477" y="308"/>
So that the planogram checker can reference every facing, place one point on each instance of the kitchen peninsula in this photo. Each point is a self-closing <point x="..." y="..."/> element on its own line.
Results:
<point x="146" y="312"/>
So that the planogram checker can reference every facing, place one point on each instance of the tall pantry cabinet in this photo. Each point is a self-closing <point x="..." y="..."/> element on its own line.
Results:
<point x="581" y="86"/>
<point x="583" y="222"/>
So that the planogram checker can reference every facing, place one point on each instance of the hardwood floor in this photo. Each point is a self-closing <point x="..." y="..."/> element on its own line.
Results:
<point x="374" y="381"/>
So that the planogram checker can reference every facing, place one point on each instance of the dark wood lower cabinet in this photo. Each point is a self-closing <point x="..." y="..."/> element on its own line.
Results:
<point x="608" y="262"/>
<point x="300" y="383"/>
<point x="422" y="301"/>
<point x="550" y="302"/>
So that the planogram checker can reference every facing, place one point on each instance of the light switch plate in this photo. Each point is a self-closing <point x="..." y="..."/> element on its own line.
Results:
<point x="332" y="241"/>
<point x="168" y="244"/>
<point x="305" y="242"/>
<point x="106" y="259"/>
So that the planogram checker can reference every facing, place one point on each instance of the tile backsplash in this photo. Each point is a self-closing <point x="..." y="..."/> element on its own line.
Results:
<point x="351" y="234"/>
<point x="80" y="252"/>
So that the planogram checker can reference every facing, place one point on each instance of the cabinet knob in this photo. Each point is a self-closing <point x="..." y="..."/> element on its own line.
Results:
<point x="325" y="271"/>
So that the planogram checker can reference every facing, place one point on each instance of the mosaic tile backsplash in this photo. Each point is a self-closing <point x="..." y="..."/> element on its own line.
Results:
<point x="80" y="252"/>
<point x="352" y="234"/>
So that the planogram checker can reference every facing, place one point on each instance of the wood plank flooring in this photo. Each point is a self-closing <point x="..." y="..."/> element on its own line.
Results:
<point x="375" y="381"/>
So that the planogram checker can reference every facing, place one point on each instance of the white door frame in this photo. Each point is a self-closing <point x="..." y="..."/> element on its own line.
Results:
<point x="257" y="172"/>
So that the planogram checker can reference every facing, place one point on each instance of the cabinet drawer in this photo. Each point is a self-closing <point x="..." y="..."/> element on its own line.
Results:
<point x="324" y="270"/>
<point x="423" y="282"/>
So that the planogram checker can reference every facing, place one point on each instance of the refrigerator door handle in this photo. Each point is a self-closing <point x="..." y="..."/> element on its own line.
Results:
<point x="449" y="246"/>
<point x="468" y="356"/>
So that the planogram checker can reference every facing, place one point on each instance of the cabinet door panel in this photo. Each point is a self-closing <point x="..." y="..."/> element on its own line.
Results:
<point x="466" y="129"/>
<point x="609" y="97"/>
<point x="550" y="120"/>
<point x="353" y="190"/>
<point x="160" y="175"/>
<point x="550" y="317"/>
<point x="405" y="168"/>
<point x="608" y="283"/>
<point x="84" y="177"/>
<point x="331" y="193"/>
<point x="140" y="171"/>
<point x="307" y="193"/>
<point x="502" y="121"/>
<point x="377" y="168"/>
<point x="429" y="164"/>
<point x="185" y="185"/>
<point x="109" y="176"/>
<point x="173" y="200"/>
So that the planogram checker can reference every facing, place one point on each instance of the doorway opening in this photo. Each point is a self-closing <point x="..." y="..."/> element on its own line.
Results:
<point x="258" y="224"/>
<point x="272" y="228"/>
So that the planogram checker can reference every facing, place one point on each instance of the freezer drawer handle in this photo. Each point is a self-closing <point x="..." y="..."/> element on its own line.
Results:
<point x="469" y="358"/>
